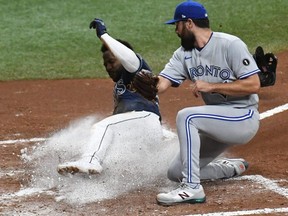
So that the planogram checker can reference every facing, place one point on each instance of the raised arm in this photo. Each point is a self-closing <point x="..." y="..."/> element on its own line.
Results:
<point x="126" y="56"/>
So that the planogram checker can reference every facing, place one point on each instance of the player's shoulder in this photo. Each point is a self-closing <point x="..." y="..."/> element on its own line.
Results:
<point x="179" y="53"/>
<point x="224" y="36"/>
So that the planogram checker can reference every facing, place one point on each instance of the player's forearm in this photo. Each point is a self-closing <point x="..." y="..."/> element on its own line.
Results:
<point x="247" y="86"/>
<point x="230" y="89"/>
<point x="163" y="84"/>
<point x="126" y="56"/>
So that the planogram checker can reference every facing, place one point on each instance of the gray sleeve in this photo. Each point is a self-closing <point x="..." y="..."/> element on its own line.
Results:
<point x="241" y="60"/>
<point x="175" y="70"/>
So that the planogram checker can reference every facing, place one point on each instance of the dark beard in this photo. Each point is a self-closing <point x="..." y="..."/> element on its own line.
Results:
<point x="188" y="41"/>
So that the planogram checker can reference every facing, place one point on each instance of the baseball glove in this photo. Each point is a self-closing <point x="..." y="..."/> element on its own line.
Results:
<point x="145" y="83"/>
<point x="267" y="63"/>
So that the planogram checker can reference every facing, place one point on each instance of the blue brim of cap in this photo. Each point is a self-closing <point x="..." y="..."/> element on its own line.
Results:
<point x="173" y="21"/>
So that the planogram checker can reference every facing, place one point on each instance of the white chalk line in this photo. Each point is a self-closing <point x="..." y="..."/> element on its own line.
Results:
<point x="6" y="142"/>
<point x="266" y="183"/>
<point x="247" y="212"/>
<point x="274" y="111"/>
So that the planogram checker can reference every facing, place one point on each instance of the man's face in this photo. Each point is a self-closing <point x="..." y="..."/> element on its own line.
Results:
<point x="113" y="66"/>
<point x="187" y="37"/>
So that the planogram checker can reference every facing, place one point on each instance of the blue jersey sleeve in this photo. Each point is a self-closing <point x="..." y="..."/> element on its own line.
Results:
<point x="143" y="64"/>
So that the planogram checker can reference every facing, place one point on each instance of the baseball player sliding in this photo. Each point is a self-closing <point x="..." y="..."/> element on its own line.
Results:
<point x="135" y="98"/>
<point x="224" y="73"/>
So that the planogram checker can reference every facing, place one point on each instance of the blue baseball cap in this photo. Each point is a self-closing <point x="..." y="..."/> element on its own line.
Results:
<point x="188" y="9"/>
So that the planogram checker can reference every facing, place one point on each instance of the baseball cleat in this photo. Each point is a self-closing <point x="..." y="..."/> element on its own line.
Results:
<point x="80" y="167"/>
<point x="183" y="194"/>
<point x="239" y="164"/>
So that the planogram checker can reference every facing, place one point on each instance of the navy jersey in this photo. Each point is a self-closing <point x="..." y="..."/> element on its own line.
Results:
<point x="126" y="100"/>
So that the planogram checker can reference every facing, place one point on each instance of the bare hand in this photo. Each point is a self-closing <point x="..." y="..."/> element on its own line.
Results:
<point x="200" y="86"/>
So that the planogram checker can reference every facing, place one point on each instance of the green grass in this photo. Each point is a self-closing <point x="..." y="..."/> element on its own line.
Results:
<point x="43" y="39"/>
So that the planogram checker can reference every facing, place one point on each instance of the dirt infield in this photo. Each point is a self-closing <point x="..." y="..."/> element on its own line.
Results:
<point x="36" y="109"/>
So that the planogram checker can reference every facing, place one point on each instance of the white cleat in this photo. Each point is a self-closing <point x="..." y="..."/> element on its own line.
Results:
<point x="183" y="194"/>
<point x="239" y="164"/>
<point x="80" y="166"/>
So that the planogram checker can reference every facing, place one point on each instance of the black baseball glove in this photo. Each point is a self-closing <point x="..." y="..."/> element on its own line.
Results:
<point x="145" y="83"/>
<point x="267" y="63"/>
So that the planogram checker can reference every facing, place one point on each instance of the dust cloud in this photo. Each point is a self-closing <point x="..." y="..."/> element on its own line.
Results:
<point x="134" y="160"/>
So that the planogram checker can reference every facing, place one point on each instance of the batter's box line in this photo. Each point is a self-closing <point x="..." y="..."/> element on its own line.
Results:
<point x="7" y="142"/>
<point x="274" y="111"/>
<point x="246" y="212"/>
<point x="266" y="183"/>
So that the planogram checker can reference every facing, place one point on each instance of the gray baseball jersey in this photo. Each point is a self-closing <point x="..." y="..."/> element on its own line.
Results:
<point x="227" y="120"/>
<point x="225" y="58"/>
